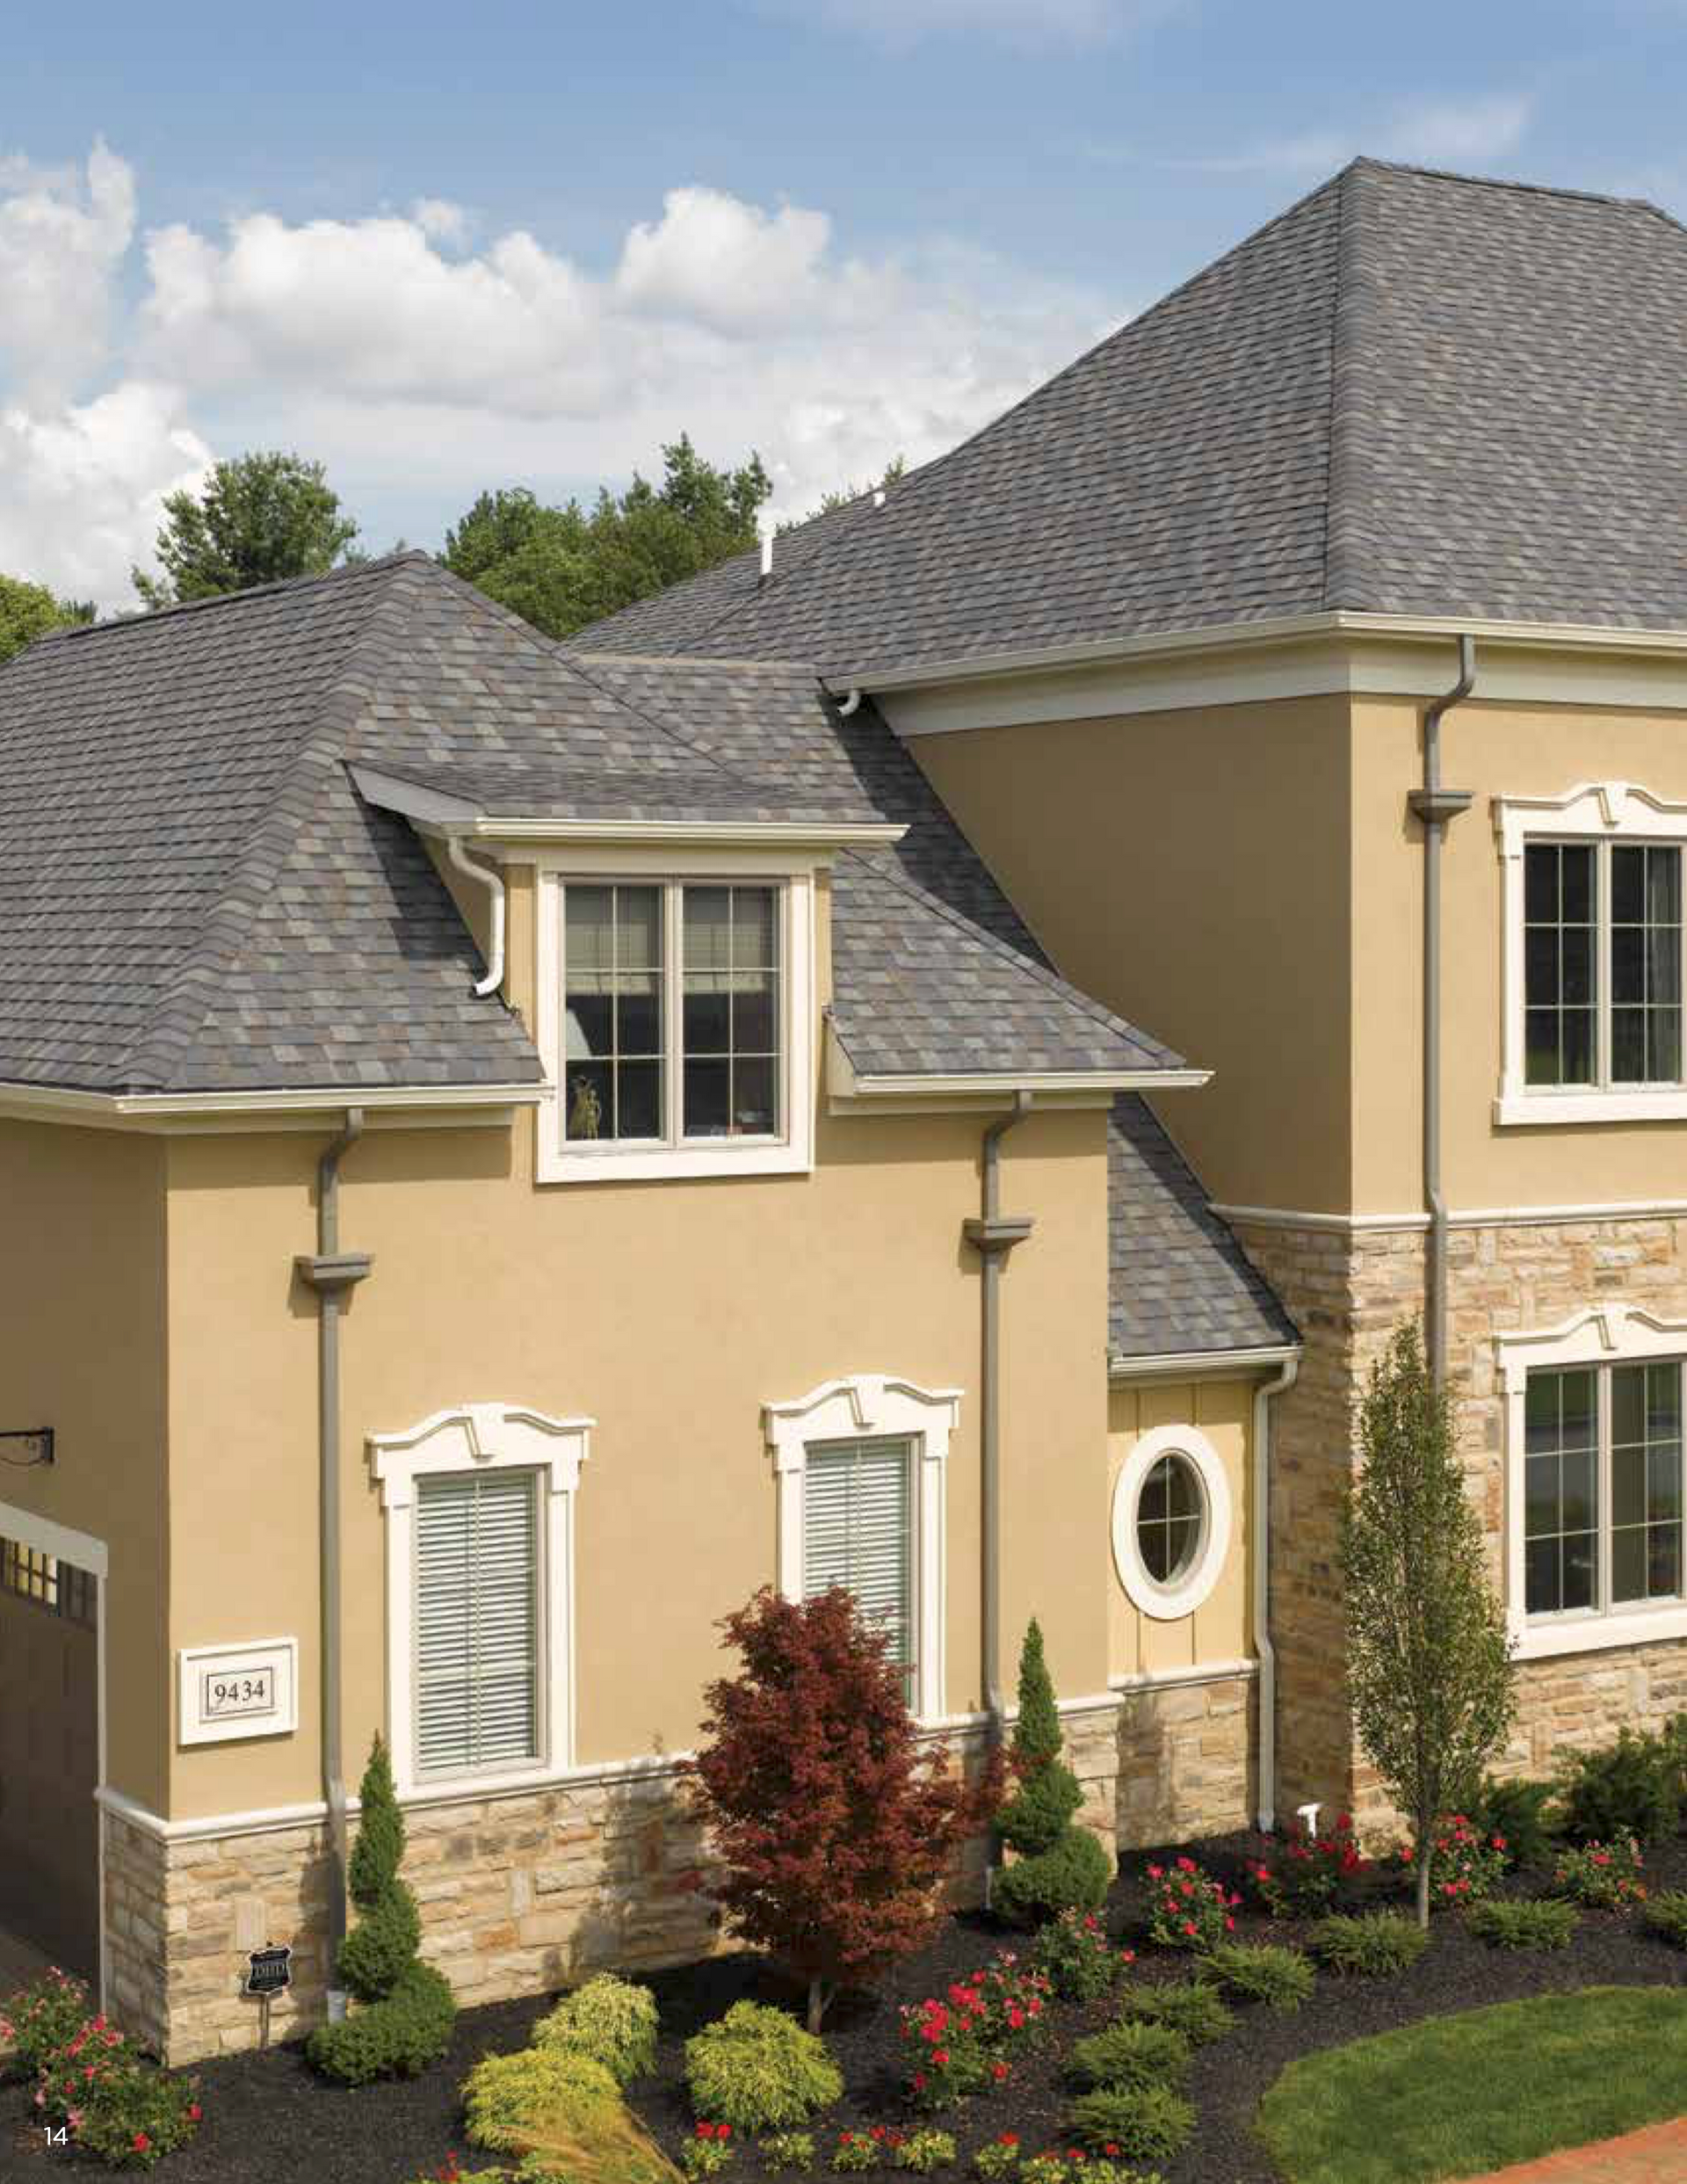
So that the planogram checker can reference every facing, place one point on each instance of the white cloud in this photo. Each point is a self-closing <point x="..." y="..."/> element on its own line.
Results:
<point x="420" y="365"/>
<point x="1424" y="132"/>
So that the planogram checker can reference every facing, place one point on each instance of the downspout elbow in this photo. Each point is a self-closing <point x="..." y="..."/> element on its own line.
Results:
<point x="488" y="877"/>
<point x="1264" y="1648"/>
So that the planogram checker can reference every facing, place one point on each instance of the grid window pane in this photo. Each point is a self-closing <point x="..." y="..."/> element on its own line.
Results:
<point x="1646" y="1467"/>
<point x="1560" y="1492"/>
<point x="1561" y="964"/>
<point x="731" y="1011"/>
<point x="613" y="1010"/>
<point x="1644" y="964"/>
<point x="1168" y="1514"/>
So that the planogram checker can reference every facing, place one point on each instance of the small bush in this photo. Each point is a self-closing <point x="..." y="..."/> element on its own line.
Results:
<point x="1151" y="2124"/>
<point x="508" y="2098"/>
<point x="1133" y="2053"/>
<point x="1666" y="1914"/>
<point x="856" y="2151"/>
<point x="613" y="2020"/>
<point x="1464" y="1865"/>
<point x="1075" y="1875"/>
<point x="788" y="2153"/>
<point x="758" y="2069"/>
<point x="1519" y="1817"/>
<point x="1074" y="1956"/>
<point x="141" y="2115"/>
<point x="1603" y="1875"/>
<point x="1301" y="1875"/>
<point x="923" y="2151"/>
<point x="1375" y="1945"/>
<point x="1193" y="2008"/>
<point x="399" y="2037"/>
<point x="1541" y="1924"/>
<point x="1188" y="1908"/>
<point x="708" y="2151"/>
<point x="1281" y="1979"/>
<point x="999" y="2158"/>
<point x="44" y="2017"/>
<point x="1634" y="1787"/>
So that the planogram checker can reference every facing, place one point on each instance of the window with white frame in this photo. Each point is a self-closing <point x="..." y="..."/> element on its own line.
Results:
<point x="858" y="1531"/>
<point x="1171" y="1521"/>
<point x="1597" y="1481"/>
<point x="1594" y="955"/>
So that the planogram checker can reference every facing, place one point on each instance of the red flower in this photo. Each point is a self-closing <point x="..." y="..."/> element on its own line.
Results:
<point x="141" y="2142"/>
<point x="1008" y="2138"/>
<point x="193" y="2116"/>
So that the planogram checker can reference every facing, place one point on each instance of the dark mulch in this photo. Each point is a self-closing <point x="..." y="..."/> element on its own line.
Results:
<point x="269" y="2119"/>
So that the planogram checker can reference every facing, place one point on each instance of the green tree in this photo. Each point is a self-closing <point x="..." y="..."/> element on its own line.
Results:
<point x="1059" y="1867"/>
<point x="258" y="519"/>
<point x="28" y="611"/>
<point x="1429" y="1665"/>
<point x="561" y="568"/>
<point x="895" y="470"/>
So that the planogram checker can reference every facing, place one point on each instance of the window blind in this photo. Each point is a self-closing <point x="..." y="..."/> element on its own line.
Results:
<point x="857" y="1532"/>
<point x="476" y="1622"/>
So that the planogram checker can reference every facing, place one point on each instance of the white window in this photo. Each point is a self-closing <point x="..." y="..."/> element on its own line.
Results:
<point x="479" y="1511"/>
<point x="860" y="1465"/>
<point x="1171" y="1521"/>
<point x="1596" y="1481"/>
<point x="674" y="1020"/>
<point x="1594" y="963"/>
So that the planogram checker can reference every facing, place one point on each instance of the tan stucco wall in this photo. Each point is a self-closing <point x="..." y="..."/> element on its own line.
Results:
<point x="671" y="1312"/>
<point x="1492" y="750"/>
<point x="82" y="1349"/>
<point x="1218" y="1630"/>
<point x="1190" y="868"/>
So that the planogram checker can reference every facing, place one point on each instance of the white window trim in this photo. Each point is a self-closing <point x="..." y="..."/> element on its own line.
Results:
<point x="1603" y="1334"/>
<point x="480" y="1437"/>
<point x="1595" y="811"/>
<point x="872" y="1406"/>
<point x="1168" y="1603"/>
<point x="790" y="1154"/>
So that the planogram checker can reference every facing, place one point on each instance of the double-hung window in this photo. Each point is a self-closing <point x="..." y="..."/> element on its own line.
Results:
<point x="477" y="1621"/>
<point x="858" y="1531"/>
<point x="681" y="1037"/>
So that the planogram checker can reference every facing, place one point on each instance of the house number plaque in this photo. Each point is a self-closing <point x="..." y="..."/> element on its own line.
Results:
<point x="245" y="1690"/>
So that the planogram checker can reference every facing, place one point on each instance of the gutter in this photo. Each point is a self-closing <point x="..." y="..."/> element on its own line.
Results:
<point x="1265" y="1650"/>
<point x="1435" y="806"/>
<point x="331" y="1272"/>
<point x="993" y="1234"/>
<point x="492" y="880"/>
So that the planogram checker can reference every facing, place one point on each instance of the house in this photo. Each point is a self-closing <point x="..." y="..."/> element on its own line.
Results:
<point x="506" y="1148"/>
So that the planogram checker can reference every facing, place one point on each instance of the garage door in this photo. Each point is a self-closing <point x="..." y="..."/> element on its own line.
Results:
<point x="49" y="1756"/>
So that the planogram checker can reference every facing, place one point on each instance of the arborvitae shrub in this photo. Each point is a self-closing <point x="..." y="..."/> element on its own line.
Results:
<point x="1631" y="1788"/>
<point x="1521" y="1815"/>
<point x="1057" y="1866"/>
<point x="407" y="2009"/>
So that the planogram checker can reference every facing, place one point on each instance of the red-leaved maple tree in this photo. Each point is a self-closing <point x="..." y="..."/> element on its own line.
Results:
<point x="834" y="1829"/>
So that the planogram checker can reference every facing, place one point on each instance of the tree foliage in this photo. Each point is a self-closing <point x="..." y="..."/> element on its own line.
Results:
<point x="894" y="471"/>
<point x="1429" y="1668"/>
<point x="561" y="568"/>
<point x="833" y="1828"/>
<point x="258" y="519"/>
<point x="28" y="611"/>
<point x="1059" y="1867"/>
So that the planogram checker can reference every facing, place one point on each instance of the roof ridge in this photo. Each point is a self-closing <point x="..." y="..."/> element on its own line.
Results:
<point x="1508" y="182"/>
<point x="1343" y="500"/>
<point x="378" y="564"/>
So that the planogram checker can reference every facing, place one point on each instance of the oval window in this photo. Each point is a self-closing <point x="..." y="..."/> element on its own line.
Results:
<point x="1171" y="1521"/>
<point x="1170" y="1512"/>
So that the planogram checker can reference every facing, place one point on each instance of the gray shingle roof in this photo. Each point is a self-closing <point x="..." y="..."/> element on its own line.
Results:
<point x="193" y="896"/>
<point x="1177" y="1280"/>
<point x="1412" y="393"/>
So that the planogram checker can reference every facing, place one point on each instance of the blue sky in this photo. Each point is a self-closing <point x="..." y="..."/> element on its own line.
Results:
<point x="448" y="246"/>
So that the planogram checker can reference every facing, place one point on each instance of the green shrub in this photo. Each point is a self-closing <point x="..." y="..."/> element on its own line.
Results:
<point x="1605" y="1876"/>
<point x="141" y="2115"/>
<point x="44" y="2017"/>
<point x="1193" y="2008"/>
<point x="1634" y="1787"/>
<point x="788" y="2152"/>
<point x="1521" y="1815"/>
<point x="999" y="2158"/>
<point x="1259" y="1971"/>
<point x="1188" y="1907"/>
<point x="1133" y="2053"/>
<point x="1536" y="1924"/>
<point x="1075" y="1955"/>
<point x="1075" y="1875"/>
<point x="1666" y="1914"/>
<point x="855" y="2152"/>
<point x="1150" y="2124"/>
<point x="1057" y="1866"/>
<point x="613" y="2020"/>
<point x="757" y="2068"/>
<point x="923" y="2151"/>
<point x="709" y="2151"/>
<point x="510" y="2098"/>
<point x="407" y="2011"/>
<point x="1375" y="1943"/>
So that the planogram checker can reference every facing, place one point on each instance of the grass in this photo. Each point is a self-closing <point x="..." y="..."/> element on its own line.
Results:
<point x="1456" y="2096"/>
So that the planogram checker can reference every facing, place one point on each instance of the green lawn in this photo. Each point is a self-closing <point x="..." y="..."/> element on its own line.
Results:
<point x="1456" y="2096"/>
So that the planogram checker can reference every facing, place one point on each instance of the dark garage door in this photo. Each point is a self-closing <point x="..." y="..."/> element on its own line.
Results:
<point x="49" y="1756"/>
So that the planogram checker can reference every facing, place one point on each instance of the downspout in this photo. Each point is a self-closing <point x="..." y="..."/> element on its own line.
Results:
<point x="1435" y="806"/>
<point x="1264" y="1651"/>
<point x="993" y="1234"/>
<point x="331" y="1273"/>
<point x="492" y="880"/>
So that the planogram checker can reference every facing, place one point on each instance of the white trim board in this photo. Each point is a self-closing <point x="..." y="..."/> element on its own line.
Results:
<point x="313" y="1108"/>
<point x="1465" y="1217"/>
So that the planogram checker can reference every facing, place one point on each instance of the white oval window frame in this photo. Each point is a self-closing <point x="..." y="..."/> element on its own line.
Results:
<point x="1169" y="1603"/>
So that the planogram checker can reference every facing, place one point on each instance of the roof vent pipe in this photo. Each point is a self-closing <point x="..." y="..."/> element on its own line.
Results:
<point x="488" y="877"/>
<point x="767" y="557"/>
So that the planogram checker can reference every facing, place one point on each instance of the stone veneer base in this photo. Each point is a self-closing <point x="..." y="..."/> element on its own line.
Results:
<point x="524" y="1894"/>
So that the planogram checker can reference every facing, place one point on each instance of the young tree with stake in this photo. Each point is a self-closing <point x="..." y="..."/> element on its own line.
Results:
<point x="1428" y="1667"/>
